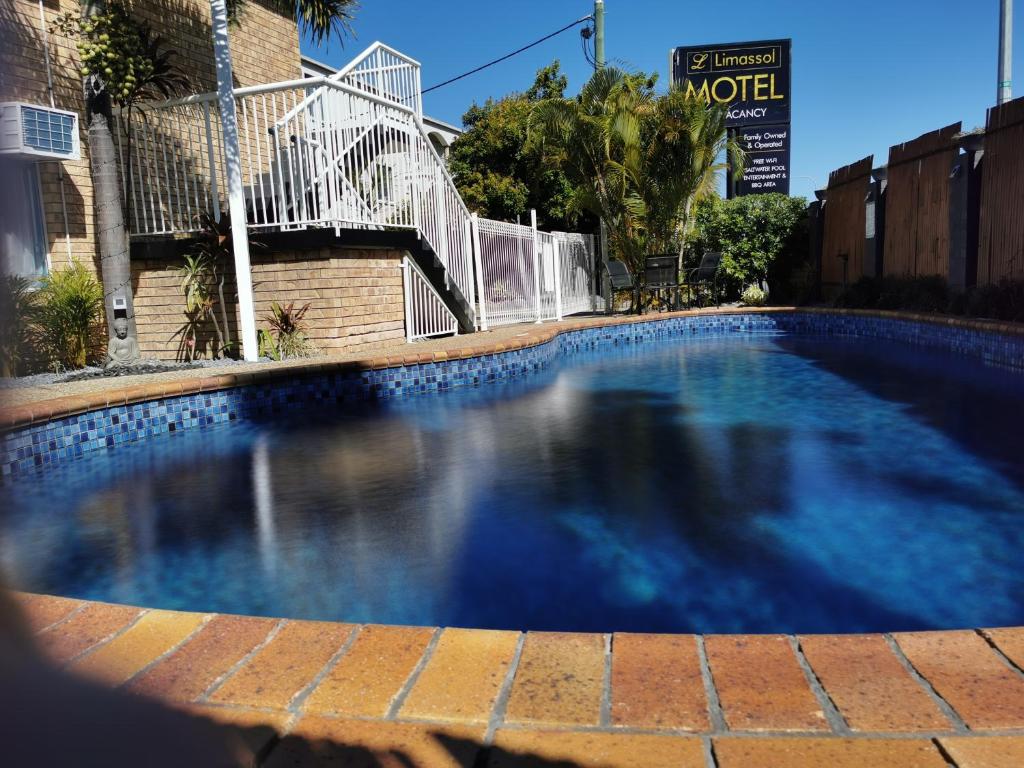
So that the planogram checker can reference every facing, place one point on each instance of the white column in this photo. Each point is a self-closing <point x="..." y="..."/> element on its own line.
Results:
<point x="407" y="295"/>
<point x="233" y="171"/>
<point x="557" y="259"/>
<point x="474" y="228"/>
<point x="536" y="264"/>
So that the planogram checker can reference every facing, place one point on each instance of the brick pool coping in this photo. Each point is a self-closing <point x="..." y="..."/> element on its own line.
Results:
<point x="20" y="415"/>
<point x="484" y="698"/>
<point x="468" y="697"/>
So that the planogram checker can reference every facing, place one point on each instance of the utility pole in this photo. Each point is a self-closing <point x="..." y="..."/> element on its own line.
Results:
<point x="1004" y="90"/>
<point x="599" y="32"/>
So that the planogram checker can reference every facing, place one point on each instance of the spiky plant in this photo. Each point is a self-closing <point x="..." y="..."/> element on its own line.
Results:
<point x="68" y="316"/>
<point x="288" y="329"/>
<point x="17" y="314"/>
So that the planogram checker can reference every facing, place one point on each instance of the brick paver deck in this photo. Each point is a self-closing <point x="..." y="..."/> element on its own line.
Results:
<point x="314" y="693"/>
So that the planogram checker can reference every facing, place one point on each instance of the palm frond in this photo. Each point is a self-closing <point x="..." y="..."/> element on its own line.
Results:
<point x="321" y="19"/>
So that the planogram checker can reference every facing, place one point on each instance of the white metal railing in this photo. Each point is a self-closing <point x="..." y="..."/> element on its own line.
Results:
<point x="577" y="264"/>
<point x="507" y="267"/>
<point x="525" y="275"/>
<point x="317" y="152"/>
<point x="426" y="314"/>
<point x="547" y="277"/>
<point x="342" y="152"/>
<point x="382" y="71"/>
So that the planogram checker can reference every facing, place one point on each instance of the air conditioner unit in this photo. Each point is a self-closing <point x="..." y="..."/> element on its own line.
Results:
<point x="35" y="132"/>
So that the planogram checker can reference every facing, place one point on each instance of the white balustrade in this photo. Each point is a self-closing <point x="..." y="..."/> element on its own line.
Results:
<point x="348" y="151"/>
<point x="426" y="314"/>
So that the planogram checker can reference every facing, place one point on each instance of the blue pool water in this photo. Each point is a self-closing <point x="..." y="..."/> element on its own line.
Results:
<point x="747" y="484"/>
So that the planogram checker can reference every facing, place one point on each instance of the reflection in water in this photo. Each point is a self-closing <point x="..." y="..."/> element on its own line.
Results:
<point x="758" y="484"/>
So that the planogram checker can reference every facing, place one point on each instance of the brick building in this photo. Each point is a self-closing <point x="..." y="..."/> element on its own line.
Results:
<point x="354" y="284"/>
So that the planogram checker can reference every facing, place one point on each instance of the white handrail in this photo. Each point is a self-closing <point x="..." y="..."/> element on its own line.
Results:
<point x="283" y="85"/>
<point x="367" y="52"/>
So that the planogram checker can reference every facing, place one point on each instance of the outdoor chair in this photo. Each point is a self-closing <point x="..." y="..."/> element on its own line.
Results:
<point x="704" y="277"/>
<point x="619" y="277"/>
<point x="661" y="276"/>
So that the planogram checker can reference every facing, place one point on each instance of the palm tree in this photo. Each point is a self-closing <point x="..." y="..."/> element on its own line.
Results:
<point x="319" y="18"/>
<point x="145" y="69"/>
<point x="639" y="161"/>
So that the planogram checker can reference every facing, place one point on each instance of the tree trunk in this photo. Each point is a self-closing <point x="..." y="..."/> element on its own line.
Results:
<point x="115" y="257"/>
<point x="218" y="336"/>
<point x="112" y="237"/>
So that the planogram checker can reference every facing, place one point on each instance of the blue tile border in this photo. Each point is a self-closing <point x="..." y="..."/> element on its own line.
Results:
<point x="29" y="449"/>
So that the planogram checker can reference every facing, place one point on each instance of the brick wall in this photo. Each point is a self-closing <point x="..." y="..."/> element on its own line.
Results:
<point x="23" y="78"/>
<point x="355" y="296"/>
<point x="264" y="49"/>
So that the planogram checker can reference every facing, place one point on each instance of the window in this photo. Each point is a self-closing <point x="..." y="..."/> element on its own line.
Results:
<point x="22" y="229"/>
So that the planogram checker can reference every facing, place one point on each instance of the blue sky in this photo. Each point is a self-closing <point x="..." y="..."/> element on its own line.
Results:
<point x="866" y="74"/>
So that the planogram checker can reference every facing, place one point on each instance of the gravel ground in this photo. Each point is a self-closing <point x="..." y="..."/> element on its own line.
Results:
<point x="92" y="372"/>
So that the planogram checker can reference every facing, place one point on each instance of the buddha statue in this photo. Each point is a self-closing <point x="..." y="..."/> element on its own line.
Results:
<point x="123" y="350"/>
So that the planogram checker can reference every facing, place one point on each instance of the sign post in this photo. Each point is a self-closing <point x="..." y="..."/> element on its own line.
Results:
<point x="753" y="79"/>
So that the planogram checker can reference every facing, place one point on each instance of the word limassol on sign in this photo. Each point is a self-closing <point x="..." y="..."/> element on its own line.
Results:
<point x="752" y="78"/>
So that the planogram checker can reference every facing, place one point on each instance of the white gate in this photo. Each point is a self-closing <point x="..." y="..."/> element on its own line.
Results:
<point x="525" y="275"/>
<point x="576" y="278"/>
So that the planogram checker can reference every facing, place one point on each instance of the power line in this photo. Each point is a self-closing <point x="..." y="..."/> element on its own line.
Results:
<point x="588" y="52"/>
<point x="508" y="55"/>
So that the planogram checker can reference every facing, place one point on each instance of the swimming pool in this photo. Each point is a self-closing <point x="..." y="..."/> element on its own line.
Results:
<point x="753" y="482"/>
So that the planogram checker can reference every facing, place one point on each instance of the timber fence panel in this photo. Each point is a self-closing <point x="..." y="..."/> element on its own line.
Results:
<point x="1001" y="232"/>
<point x="842" y="258"/>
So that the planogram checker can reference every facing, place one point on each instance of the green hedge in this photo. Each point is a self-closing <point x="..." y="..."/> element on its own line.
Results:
<point x="1000" y="301"/>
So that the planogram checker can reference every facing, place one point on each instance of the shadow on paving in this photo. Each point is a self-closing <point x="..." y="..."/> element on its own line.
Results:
<point x="438" y="749"/>
<point x="49" y="717"/>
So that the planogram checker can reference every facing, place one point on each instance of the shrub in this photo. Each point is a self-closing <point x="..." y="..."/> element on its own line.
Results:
<point x="68" y="317"/>
<point x="1002" y="301"/>
<point x="760" y="237"/>
<point x="754" y="296"/>
<point x="199" y="281"/>
<point x="799" y="287"/>
<point x="17" y="309"/>
<point x="916" y="294"/>
<point x="931" y="293"/>
<point x="287" y="332"/>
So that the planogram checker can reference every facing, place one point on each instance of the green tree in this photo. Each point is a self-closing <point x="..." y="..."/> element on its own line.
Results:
<point x="497" y="173"/>
<point x="761" y="238"/>
<point x="637" y="160"/>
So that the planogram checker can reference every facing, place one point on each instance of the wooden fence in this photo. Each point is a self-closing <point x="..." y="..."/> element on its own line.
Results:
<point x="842" y="257"/>
<point x="948" y="203"/>
<point x="917" y="204"/>
<point x="1001" y="234"/>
